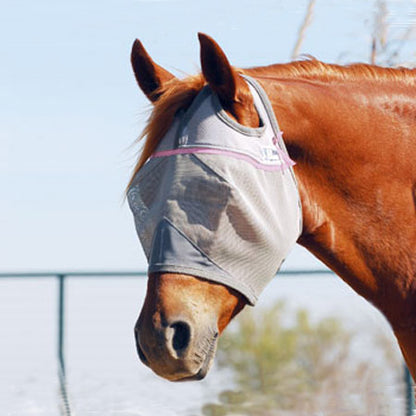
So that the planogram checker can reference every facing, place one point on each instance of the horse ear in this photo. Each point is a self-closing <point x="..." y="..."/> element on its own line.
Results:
<point x="217" y="70"/>
<point x="225" y="81"/>
<point x="150" y="76"/>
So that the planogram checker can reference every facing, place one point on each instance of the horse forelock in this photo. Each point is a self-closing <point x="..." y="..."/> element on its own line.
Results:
<point x="176" y="95"/>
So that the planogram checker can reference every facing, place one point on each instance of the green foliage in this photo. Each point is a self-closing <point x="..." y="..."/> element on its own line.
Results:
<point x="303" y="369"/>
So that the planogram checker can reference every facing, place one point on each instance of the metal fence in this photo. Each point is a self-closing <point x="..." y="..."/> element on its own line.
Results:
<point x="62" y="277"/>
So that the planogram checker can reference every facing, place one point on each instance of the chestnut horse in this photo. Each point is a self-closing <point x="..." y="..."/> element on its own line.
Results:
<point x="351" y="131"/>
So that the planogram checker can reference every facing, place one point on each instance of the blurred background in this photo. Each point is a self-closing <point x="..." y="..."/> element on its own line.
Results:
<point x="70" y="113"/>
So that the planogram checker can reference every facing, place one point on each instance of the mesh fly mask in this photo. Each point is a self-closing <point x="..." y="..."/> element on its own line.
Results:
<point x="218" y="200"/>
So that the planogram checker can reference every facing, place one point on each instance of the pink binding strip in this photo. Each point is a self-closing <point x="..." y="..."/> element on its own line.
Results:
<point x="210" y="151"/>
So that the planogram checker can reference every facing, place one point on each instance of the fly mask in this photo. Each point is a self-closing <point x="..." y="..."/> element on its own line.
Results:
<point x="218" y="200"/>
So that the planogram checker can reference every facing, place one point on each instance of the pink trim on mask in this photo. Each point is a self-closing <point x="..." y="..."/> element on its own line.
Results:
<point x="287" y="162"/>
<point x="282" y="154"/>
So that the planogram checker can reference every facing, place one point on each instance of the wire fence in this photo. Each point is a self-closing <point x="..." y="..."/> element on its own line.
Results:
<point x="62" y="277"/>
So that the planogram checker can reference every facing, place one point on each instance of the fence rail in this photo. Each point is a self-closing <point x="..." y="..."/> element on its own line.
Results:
<point x="63" y="276"/>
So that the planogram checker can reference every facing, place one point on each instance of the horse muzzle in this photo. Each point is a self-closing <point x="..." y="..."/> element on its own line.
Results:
<point x="180" y="322"/>
<point x="176" y="349"/>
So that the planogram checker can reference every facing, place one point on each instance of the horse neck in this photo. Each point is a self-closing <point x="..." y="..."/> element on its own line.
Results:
<point x="343" y="138"/>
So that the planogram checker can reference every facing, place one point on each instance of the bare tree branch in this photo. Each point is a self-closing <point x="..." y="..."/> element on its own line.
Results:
<point x="380" y="31"/>
<point x="302" y="30"/>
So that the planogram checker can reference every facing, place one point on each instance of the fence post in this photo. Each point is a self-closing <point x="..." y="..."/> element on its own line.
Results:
<point x="65" y="405"/>
<point x="410" y="392"/>
<point x="61" y="321"/>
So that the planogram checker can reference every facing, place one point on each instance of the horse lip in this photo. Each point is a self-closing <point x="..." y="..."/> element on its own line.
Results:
<point x="203" y="371"/>
<point x="200" y="375"/>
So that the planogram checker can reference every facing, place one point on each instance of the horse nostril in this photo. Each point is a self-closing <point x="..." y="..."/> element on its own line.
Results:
<point x="181" y="335"/>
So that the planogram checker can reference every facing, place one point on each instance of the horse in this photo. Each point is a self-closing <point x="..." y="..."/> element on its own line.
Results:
<point x="350" y="131"/>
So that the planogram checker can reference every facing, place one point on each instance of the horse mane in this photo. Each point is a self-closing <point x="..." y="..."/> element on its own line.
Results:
<point x="317" y="70"/>
<point x="179" y="94"/>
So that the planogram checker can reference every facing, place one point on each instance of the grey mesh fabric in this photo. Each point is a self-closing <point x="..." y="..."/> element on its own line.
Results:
<point x="218" y="200"/>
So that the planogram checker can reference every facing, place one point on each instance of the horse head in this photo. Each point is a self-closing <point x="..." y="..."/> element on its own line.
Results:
<point x="185" y="311"/>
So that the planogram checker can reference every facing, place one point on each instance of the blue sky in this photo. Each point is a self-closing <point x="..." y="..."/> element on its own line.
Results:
<point x="70" y="108"/>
